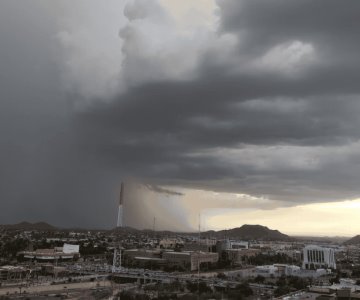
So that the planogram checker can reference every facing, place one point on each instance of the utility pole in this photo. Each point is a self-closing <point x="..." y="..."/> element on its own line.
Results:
<point x="198" y="283"/>
<point x="199" y="229"/>
<point x="120" y="221"/>
<point x="154" y="226"/>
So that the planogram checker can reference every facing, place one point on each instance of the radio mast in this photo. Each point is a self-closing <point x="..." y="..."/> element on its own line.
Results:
<point x="120" y="222"/>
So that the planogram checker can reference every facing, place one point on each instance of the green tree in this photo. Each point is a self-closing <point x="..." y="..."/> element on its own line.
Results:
<point x="244" y="289"/>
<point x="259" y="279"/>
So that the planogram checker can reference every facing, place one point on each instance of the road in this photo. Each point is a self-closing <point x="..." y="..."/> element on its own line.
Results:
<point x="89" y="281"/>
<point x="54" y="288"/>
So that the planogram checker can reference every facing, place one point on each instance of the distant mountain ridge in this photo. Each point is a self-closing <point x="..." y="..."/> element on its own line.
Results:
<point x="353" y="241"/>
<point x="245" y="232"/>
<point x="40" y="226"/>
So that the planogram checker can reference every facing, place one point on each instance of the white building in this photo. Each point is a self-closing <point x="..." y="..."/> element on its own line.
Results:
<point x="169" y="243"/>
<point x="239" y="245"/>
<point x="229" y="244"/>
<point x="66" y="252"/>
<point x="291" y="270"/>
<point x="68" y="248"/>
<point x="277" y="270"/>
<point x="267" y="270"/>
<point x="316" y="257"/>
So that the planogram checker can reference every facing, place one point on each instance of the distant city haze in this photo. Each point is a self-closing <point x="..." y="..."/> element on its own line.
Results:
<point x="245" y="112"/>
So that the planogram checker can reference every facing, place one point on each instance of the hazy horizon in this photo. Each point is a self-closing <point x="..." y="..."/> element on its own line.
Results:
<point x="299" y="235"/>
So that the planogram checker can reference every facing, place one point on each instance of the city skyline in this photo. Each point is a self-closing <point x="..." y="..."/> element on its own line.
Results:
<point x="243" y="111"/>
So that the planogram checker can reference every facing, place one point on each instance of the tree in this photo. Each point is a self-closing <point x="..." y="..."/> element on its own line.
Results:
<point x="244" y="289"/>
<point x="193" y="287"/>
<point x="282" y="290"/>
<point x="259" y="279"/>
<point x="221" y="275"/>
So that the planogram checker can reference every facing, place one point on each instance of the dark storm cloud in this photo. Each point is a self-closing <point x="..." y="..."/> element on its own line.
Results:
<point x="43" y="174"/>
<point x="170" y="128"/>
<point x="172" y="140"/>
<point x="326" y="24"/>
<point x="274" y="125"/>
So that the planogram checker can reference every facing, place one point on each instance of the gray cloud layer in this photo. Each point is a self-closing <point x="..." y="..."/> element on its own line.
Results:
<point x="272" y="113"/>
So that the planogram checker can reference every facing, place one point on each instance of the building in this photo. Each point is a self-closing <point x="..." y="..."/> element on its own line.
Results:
<point x="131" y="253"/>
<point x="181" y="259"/>
<point x="170" y="243"/>
<point x="190" y="260"/>
<point x="149" y="262"/>
<point x="239" y="256"/>
<point x="278" y="270"/>
<point x="207" y="242"/>
<point x="136" y="257"/>
<point x="239" y="245"/>
<point x="12" y="273"/>
<point x="66" y="252"/>
<point x="267" y="271"/>
<point x="353" y="254"/>
<point x="197" y="247"/>
<point x="70" y="249"/>
<point x="229" y="244"/>
<point x="56" y="271"/>
<point x="294" y="254"/>
<point x="199" y="258"/>
<point x="316" y="257"/>
<point x="288" y="270"/>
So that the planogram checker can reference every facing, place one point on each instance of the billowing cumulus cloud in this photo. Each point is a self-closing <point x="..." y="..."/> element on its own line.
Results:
<point x="255" y="98"/>
<point x="109" y="49"/>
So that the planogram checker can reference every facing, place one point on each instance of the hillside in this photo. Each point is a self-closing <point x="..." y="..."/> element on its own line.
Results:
<point x="39" y="226"/>
<point x="250" y="232"/>
<point x="245" y="232"/>
<point x="353" y="241"/>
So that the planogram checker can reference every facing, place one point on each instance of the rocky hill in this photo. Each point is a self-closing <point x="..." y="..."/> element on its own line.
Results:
<point x="250" y="232"/>
<point x="353" y="241"/>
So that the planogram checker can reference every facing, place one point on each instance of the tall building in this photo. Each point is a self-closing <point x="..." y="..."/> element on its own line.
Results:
<point x="316" y="257"/>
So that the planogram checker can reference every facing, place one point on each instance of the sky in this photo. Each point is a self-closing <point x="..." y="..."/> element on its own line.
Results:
<point x="245" y="111"/>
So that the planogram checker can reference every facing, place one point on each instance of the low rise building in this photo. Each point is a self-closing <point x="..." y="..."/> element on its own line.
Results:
<point x="197" y="247"/>
<point x="170" y="243"/>
<point x="12" y="273"/>
<point x="353" y="254"/>
<point x="50" y="269"/>
<point x="132" y="253"/>
<point x="239" y="256"/>
<point x="149" y="262"/>
<point x="231" y="244"/>
<point x="267" y="271"/>
<point x="288" y="270"/>
<point x="190" y="260"/>
<point x="199" y="258"/>
<point x="66" y="252"/>
<point x="182" y="259"/>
